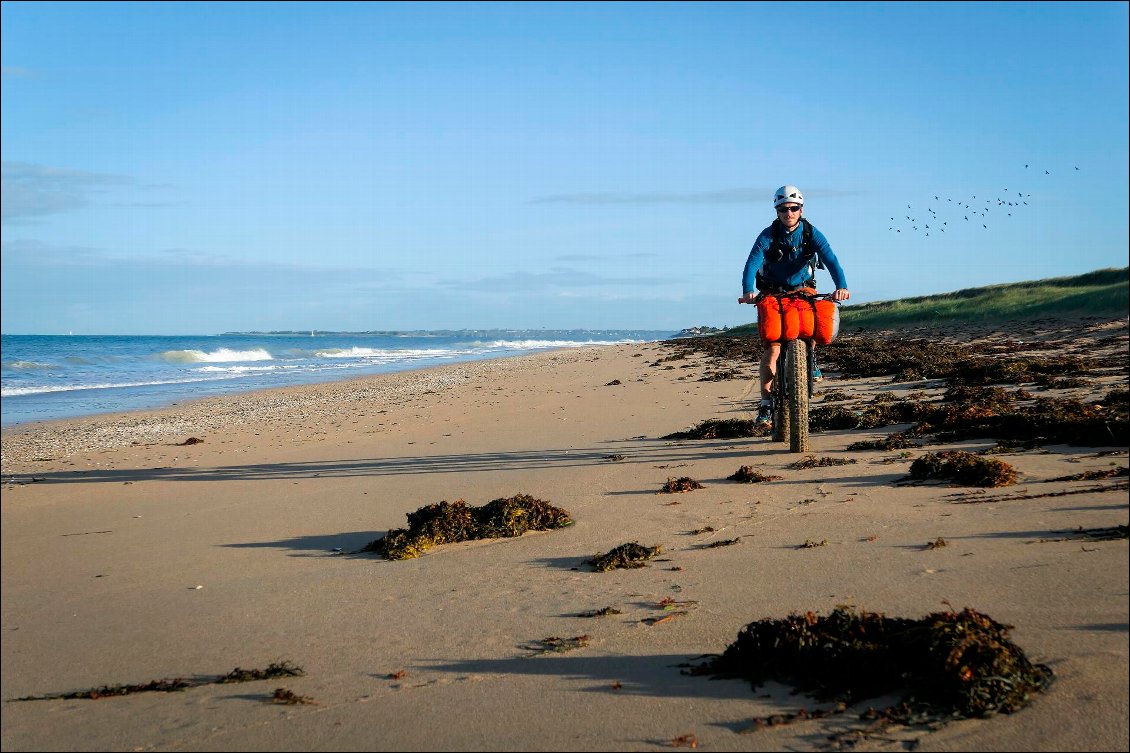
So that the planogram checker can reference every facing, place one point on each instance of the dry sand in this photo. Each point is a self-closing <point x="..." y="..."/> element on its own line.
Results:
<point x="128" y="557"/>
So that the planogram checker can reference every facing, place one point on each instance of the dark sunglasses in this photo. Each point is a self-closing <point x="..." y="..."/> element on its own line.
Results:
<point x="789" y="209"/>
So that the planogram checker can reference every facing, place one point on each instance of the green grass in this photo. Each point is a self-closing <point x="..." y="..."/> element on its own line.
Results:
<point x="1104" y="292"/>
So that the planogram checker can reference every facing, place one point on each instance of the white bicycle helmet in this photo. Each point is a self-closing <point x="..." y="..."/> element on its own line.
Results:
<point x="786" y="195"/>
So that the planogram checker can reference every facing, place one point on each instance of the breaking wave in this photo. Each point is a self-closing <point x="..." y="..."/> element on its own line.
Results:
<point x="222" y="355"/>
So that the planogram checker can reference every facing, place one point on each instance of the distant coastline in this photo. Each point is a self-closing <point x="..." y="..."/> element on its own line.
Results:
<point x="541" y="331"/>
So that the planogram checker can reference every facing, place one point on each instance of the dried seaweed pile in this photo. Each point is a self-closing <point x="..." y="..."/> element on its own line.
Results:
<point x="976" y="413"/>
<point x="748" y="475"/>
<point x="680" y="356"/>
<point x="1050" y="420"/>
<point x="911" y="358"/>
<point x="625" y="556"/>
<point x="956" y="662"/>
<point x="811" y="461"/>
<point x="679" y="485"/>
<point x="721" y="376"/>
<point x="556" y="645"/>
<point x="741" y="349"/>
<point x="1046" y="372"/>
<point x="975" y="406"/>
<point x="897" y="441"/>
<point x="288" y="697"/>
<point x="963" y="468"/>
<point x="449" y="522"/>
<point x="718" y="428"/>
<point x="972" y="409"/>
<point x="834" y="396"/>
<point x="1117" y="472"/>
<point x="908" y="360"/>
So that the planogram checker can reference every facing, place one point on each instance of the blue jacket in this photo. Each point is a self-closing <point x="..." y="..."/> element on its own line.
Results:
<point x="793" y="269"/>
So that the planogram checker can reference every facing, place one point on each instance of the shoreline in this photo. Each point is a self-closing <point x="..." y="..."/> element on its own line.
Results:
<point x="115" y="429"/>
<point x="136" y="562"/>
<point x="134" y="389"/>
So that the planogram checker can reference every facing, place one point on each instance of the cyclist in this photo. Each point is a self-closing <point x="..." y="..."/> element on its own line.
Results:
<point x="784" y="258"/>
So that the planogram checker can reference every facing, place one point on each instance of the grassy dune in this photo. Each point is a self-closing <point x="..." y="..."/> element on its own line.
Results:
<point x="1104" y="292"/>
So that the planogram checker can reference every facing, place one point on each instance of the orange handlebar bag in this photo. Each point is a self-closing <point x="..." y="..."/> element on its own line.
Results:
<point x="769" y="319"/>
<point x="790" y="320"/>
<point x="806" y="316"/>
<point x="827" y="322"/>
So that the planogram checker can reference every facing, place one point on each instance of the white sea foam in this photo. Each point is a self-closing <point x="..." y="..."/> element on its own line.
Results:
<point x="238" y="369"/>
<point x="28" y="365"/>
<point x="222" y="355"/>
<point x="382" y="356"/>
<point x="356" y="352"/>
<point x="539" y="344"/>
<point x="40" y="390"/>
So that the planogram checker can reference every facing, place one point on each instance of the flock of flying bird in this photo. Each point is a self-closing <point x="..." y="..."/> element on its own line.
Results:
<point x="973" y="211"/>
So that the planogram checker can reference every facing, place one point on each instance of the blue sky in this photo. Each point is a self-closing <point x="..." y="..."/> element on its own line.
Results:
<point x="192" y="168"/>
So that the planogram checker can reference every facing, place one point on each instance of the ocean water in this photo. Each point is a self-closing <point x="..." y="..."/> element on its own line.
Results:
<point x="48" y="377"/>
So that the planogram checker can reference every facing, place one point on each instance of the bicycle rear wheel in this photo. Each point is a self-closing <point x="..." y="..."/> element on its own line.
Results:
<point x="798" y="390"/>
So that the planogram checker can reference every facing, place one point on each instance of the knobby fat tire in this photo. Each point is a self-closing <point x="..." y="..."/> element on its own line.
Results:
<point x="781" y="417"/>
<point x="796" y="365"/>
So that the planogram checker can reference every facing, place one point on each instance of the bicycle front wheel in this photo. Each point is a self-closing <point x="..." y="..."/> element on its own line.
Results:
<point x="782" y="419"/>
<point x="798" y="388"/>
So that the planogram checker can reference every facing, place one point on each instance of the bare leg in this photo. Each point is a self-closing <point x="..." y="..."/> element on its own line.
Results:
<point x="769" y="368"/>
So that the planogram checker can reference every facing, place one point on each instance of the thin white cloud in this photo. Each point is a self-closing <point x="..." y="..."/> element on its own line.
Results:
<point x="606" y="257"/>
<point x="28" y="190"/>
<point x="727" y="196"/>
<point x="724" y="196"/>
<point x="554" y="280"/>
<point x="25" y="254"/>
<point x="35" y="253"/>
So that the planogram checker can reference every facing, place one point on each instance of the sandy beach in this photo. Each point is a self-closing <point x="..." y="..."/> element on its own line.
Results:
<point x="132" y="553"/>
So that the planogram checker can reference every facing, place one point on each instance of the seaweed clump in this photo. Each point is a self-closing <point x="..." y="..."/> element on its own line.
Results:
<point x="289" y="697"/>
<point x="1045" y="371"/>
<point x="449" y="522"/>
<point x="882" y="413"/>
<point x="273" y="670"/>
<point x="748" y="475"/>
<point x="957" y="663"/>
<point x="907" y="360"/>
<point x="1045" y="420"/>
<point x="833" y="396"/>
<point x="963" y="468"/>
<point x="678" y="485"/>
<point x="554" y="644"/>
<point x="721" y="376"/>
<point x="722" y="428"/>
<point x="1095" y="475"/>
<point x="897" y="441"/>
<point x="626" y="556"/>
<point x="811" y="461"/>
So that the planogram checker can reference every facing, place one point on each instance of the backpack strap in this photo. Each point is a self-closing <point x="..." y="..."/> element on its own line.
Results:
<point x="809" y="246"/>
